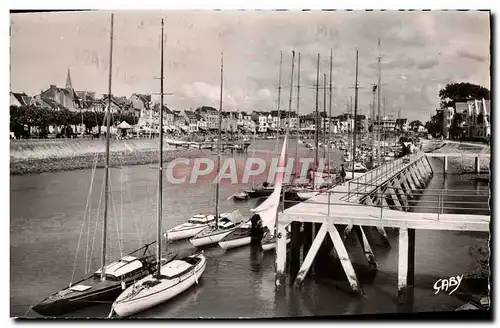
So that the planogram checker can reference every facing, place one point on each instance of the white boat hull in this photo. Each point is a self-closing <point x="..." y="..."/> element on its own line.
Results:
<point x="234" y="243"/>
<point x="210" y="239"/>
<point x="165" y="290"/>
<point x="272" y="245"/>
<point x="306" y="194"/>
<point x="184" y="234"/>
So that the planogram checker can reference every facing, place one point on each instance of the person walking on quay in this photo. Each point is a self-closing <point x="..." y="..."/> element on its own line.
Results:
<point x="342" y="174"/>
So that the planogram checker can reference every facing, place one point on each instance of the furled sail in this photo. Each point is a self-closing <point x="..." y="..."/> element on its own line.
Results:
<point x="268" y="209"/>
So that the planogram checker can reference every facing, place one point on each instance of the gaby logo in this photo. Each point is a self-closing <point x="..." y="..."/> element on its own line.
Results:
<point x="445" y="284"/>
<point x="233" y="170"/>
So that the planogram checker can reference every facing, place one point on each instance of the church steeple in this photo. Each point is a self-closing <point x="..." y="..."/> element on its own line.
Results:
<point x="68" y="81"/>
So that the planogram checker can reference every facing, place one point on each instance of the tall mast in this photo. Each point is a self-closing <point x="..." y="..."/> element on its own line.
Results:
<point x="378" y="101"/>
<point x="330" y="110"/>
<point x="160" y="167"/>
<point x="324" y="115"/>
<point x="106" y="170"/>
<point x="372" y="114"/>
<point x="290" y="99"/>
<point x="219" y="142"/>
<point x="279" y="106"/>
<point x="298" y="116"/>
<point x="316" y="134"/>
<point x="355" y="116"/>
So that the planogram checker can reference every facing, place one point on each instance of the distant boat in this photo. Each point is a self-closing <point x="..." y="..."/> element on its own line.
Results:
<point x="240" y="196"/>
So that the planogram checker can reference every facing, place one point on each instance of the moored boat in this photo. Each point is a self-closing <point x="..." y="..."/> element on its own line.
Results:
<point x="264" y="214"/>
<point x="189" y="229"/>
<point x="119" y="274"/>
<point x="213" y="234"/>
<point x="175" y="277"/>
<point x="241" y="195"/>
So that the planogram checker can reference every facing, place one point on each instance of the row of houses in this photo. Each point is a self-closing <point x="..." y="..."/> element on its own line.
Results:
<point x="475" y="121"/>
<point x="202" y="119"/>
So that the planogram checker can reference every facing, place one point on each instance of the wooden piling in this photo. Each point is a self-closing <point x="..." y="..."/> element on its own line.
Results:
<point x="414" y="176"/>
<point x="445" y="164"/>
<point x="400" y="193"/>
<point x="409" y="181"/>
<point x="329" y="228"/>
<point x="392" y="195"/>
<point x="406" y="263"/>
<point x="406" y="186"/>
<point x="370" y="257"/>
<point x="308" y="238"/>
<point x="380" y="229"/>
<point x="295" y="249"/>
<point x="478" y="165"/>
<point x="429" y="164"/>
<point x="280" y="254"/>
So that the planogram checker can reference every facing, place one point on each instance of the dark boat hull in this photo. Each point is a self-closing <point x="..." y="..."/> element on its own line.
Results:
<point x="65" y="305"/>
<point x="67" y="300"/>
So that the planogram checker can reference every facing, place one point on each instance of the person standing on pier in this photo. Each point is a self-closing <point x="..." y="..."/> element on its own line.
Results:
<point x="342" y="174"/>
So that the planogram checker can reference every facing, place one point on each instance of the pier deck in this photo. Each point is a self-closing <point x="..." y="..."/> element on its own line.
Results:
<point x="343" y="205"/>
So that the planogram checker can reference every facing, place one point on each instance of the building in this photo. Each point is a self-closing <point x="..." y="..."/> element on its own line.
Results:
<point x="210" y="115"/>
<point x="191" y="120"/>
<point x="475" y="119"/>
<point x="402" y="124"/>
<point x="20" y="99"/>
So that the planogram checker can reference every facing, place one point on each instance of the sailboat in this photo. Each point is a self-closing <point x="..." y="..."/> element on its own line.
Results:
<point x="171" y="277"/>
<point x="190" y="228"/>
<point x="107" y="282"/>
<point x="225" y="223"/>
<point x="265" y="213"/>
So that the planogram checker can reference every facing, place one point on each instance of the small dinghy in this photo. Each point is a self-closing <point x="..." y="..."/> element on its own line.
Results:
<point x="269" y="241"/>
<point x="189" y="229"/>
<point x="212" y="234"/>
<point x="240" y="196"/>
<point x="175" y="277"/>
<point x="265" y="213"/>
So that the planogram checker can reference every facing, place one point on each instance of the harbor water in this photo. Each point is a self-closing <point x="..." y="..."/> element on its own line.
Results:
<point x="49" y="222"/>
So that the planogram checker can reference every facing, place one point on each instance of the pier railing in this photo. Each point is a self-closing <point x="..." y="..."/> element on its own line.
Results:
<point x="437" y="201"/>
<point x="372" y="179"/>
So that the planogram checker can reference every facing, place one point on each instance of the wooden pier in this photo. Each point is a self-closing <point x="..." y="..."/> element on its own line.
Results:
<point x="379" y="198"/>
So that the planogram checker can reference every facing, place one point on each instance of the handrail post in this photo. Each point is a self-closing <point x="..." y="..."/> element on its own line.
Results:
<point x="329" y="194"/>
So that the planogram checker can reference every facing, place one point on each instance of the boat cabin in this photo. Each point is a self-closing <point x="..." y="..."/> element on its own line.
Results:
<point x="126" y="267"/>
<point x="201" y="219"/>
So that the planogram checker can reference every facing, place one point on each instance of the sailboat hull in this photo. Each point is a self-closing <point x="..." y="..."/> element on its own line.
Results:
<point x="158" y="291"/>
<point x="234" y="243"/>
<point x="271" y="244"/>
<point x="210" y="239"/>
<point x="97" y="291"/>
<point x="185" y="233"/>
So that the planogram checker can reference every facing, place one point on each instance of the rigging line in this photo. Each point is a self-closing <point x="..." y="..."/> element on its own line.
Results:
<point x="121" y="199"/>
<point x="115" y="217"/>
<point x="127" y="187"/>
<point x="96" y="223"/>
<point x="94" y="169"/>
<point x="81" y="230"/>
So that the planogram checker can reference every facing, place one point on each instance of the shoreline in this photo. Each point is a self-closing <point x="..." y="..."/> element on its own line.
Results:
<point x="31" y="166"/>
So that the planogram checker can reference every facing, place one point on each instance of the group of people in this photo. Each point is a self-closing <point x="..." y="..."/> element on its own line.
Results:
<point x="342" y="174"/>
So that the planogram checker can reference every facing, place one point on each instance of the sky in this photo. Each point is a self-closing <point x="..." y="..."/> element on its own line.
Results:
<point x="421" y="52"/>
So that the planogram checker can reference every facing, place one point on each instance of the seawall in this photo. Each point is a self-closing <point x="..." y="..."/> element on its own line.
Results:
<point x="38" y="156"/>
